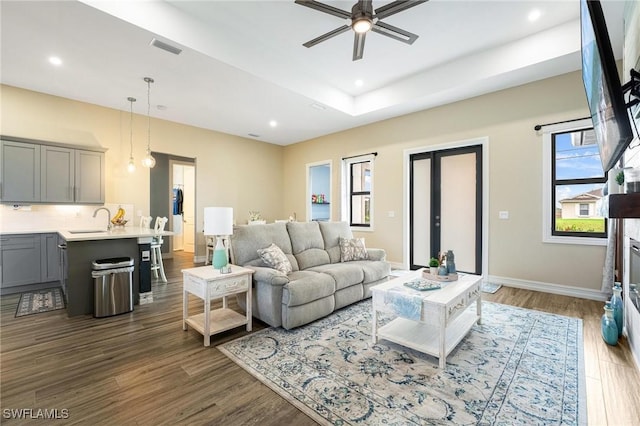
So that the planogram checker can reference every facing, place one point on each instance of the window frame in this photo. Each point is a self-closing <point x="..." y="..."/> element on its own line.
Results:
<point x="549" y="183"/>
<point x="348" y="193"/>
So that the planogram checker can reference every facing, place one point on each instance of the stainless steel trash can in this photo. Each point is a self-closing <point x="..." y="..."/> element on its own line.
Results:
<point x="112" y="286"/>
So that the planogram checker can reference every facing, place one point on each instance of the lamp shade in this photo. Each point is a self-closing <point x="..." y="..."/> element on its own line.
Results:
<point x="218" y="220"/>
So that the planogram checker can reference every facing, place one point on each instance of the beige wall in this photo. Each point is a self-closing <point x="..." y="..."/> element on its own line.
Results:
<point x="255" y="176"/>
<point x="507" y="119"/>
<point x="230" y="171"/>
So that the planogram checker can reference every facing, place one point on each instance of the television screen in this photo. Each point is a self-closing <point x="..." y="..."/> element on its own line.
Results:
<point x="602" y="85"/>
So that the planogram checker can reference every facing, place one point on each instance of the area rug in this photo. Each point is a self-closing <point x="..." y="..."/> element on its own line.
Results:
<point x="520" y="367"/>
<point x="490" y="288"/>
<point x="35" y="302"/>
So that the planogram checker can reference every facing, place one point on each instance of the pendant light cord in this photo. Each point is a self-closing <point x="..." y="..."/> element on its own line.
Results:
<point x="149" y="80"/>
<point x="131" y="101"/>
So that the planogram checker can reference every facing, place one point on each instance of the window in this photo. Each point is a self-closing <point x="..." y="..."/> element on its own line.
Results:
<point x="573" y="187"/>
<point x="358" y="191"/>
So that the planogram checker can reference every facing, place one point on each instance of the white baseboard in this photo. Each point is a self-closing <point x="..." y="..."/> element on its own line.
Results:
<point x="563" y="290"/>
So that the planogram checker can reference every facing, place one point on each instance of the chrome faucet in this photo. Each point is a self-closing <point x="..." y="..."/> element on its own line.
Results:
<point x="95" y="213"/>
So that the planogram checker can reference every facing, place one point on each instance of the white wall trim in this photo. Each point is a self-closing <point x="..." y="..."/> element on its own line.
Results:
<point x="563" y="290"/>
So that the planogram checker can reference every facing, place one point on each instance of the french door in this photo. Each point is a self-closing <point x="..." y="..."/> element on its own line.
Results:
<point x="445" y="206"/>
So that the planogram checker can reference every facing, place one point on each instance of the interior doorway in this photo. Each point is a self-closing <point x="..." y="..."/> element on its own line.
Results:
<point x="319" y="191"/>
<point x="182" y="206"/>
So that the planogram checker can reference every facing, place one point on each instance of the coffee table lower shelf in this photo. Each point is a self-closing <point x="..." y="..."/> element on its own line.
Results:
<point x="219" y="320"/>
<point x="426" y="337"/>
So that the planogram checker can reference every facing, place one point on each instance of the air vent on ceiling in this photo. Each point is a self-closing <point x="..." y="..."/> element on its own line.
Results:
<point x="164" y="46"/>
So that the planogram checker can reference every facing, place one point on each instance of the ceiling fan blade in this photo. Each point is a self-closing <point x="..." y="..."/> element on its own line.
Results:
<point x="395" y="7"/>
<point x="358" y="45"/>
<point x="327" y="36"/>
<point x="394" y="32"/>
<point x="325" y="8"/>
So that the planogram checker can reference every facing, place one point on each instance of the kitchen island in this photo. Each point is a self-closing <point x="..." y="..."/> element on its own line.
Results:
<point x="85" y="246"/>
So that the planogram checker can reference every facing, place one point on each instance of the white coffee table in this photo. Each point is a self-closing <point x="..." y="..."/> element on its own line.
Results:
<point x="432" y="322"/>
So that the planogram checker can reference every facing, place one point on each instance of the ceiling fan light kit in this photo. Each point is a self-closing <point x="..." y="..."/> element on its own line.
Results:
<point x="363" y="19"/>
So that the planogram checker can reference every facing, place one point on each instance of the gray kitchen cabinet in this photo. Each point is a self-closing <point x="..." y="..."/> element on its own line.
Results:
<point x="49" y="258"/>
<point x="89" y="177"/>
<point x="57" y="174"/>
<point x="20" y="172"/>
<point x="19" y="260"/>
<point x="50" y="173"/>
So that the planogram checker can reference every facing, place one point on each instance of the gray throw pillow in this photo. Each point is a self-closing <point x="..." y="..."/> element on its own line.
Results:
<point x="352" y="249"/>
<point x="275" y="258"/>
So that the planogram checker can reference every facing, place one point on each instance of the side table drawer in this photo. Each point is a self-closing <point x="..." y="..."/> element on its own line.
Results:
<point x="221" y="287"/>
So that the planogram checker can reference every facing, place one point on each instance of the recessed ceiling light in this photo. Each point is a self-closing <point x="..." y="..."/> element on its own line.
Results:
<point x="359" y="82"/>
<point x="161" y="107"/>
<point x="273" y="123"/>
<point x="534" y="15"/>
<point x="54" y="60"/>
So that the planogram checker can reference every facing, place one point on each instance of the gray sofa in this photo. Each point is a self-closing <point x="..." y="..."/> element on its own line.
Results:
<point x="319" y="282"/>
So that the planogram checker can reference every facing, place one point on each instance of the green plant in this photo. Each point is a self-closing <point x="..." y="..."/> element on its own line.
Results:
<point x="620" y="178"/>
<point x="433" y="262"/>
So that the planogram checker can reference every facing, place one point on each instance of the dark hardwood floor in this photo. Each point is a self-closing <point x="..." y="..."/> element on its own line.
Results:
<point x="140" y="368"/>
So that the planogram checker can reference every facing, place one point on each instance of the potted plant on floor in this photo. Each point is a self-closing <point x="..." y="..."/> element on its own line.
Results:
<point x="433" y="266"/>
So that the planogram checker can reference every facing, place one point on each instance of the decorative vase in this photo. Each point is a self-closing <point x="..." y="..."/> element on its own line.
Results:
<point x="433" y="270"/>
<point x="618" y="307"/>
<point x="442" y="270"/>
<point x="451" y="265"/>
<point x="608" y="326"/>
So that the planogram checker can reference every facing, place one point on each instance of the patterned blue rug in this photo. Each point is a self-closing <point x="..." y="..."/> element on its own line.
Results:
<point x="520" y="367"/>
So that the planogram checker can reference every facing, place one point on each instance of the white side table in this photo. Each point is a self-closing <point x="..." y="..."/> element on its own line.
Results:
<point x="209" y="284"/>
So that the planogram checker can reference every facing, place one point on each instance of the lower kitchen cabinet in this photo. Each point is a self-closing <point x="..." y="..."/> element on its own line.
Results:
<point x="27" y="259"/>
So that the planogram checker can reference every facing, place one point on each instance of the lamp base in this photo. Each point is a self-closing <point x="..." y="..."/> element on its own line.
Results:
<point x="219" y="255"/>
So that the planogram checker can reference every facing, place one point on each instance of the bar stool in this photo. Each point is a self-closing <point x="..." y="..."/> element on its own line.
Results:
<point x="156" y="249"/>
<point x="145" y="222"/>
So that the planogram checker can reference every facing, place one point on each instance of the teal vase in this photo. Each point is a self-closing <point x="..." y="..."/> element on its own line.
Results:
<point x="608" y="326"/>
<point x="618" y="307"/>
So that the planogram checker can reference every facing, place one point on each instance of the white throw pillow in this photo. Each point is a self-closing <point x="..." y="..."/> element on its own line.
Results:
<point x="352" y="249"/>
<point x="275" y="258"/>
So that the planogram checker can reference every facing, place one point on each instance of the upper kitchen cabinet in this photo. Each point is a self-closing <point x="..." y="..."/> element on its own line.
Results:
<point x="90" y="176"/>
<point x="20" y="172"/>
<point x="37" y="172"/>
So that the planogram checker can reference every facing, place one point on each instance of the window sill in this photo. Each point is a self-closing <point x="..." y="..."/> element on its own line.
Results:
<point x="582" y="241"/>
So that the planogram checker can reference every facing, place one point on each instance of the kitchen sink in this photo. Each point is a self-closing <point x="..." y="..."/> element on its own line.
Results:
<point x="87" y="231"/>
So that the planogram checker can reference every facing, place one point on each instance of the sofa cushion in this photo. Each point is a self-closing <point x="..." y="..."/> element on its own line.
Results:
<point x="307" y="244"/>
<point x="344" y="274"/>
<point x="374" y="270"/>
<point x="247" y="239"/>
<point x="331" y="233"/>
<point x="306" y="286"/>
<point x="275" y="258"/>
<point x="352" y="249"/>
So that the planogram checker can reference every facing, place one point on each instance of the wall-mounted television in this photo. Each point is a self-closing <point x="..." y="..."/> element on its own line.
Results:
<point x="602" y="85"/>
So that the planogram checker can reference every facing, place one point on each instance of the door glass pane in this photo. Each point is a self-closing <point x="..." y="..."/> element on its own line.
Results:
<point x="458" y="209"/>
<point x="421" y="212"/>
<point x="360" y="209"/>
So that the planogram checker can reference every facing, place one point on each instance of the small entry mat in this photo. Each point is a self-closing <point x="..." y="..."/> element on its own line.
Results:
<point x="490" y="288"/>
<point x="35" y="302"/>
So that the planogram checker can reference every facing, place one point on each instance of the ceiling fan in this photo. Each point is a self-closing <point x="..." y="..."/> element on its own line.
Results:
<point x="363" y="19"/>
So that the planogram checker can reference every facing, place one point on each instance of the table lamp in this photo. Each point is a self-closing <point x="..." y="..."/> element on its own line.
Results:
<point x="218" y="222"/>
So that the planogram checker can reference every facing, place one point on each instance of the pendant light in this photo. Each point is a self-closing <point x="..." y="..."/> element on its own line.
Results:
<point x="131" y="167"/>
<point x="148" y="160"/>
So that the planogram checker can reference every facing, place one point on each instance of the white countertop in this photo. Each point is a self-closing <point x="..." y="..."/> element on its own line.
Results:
<point x="115" y="233"/>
